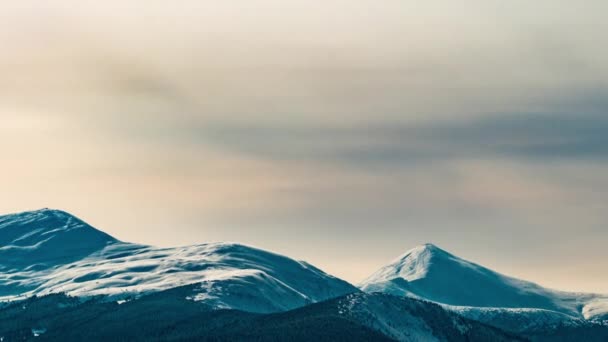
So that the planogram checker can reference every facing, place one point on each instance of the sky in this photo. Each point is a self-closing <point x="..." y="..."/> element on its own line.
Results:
<point x="338" y="132"/>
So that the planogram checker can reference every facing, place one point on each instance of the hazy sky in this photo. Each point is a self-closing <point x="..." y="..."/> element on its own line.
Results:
<point x="338" y="132"/>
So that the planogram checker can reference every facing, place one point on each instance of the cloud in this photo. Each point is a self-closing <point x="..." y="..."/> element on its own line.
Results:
<point x="347" y="126"/>
<point x="577" y="132"/>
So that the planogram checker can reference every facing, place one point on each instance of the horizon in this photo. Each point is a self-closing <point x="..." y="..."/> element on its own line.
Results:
<point x="341" y="133"/>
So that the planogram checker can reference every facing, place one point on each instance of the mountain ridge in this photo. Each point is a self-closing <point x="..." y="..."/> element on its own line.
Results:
<point x="41" y="253"/>
<point x="229" y="275"/>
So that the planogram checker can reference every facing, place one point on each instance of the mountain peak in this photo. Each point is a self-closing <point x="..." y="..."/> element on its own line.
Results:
<point x="428" y="247"/>
<point x="433" y="274"/>
<point x="46" y="237"/>
<point x="38" y="215"/>
<point x="412" y="265"/>
<point x="50" y="251"/>
<point x="43" y="221"/>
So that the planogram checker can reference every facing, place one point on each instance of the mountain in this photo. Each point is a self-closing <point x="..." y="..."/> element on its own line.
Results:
<point x="42" y="239"/>
<point x="50" y="251"/>
<point x="168" y="316"/>
<point x="71" y="281"/>
<point x="430" y="273"/>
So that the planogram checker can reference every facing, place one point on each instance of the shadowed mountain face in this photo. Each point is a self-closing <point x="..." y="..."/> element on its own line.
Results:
<point x="431" y="273"/>
<point x="46" y="238"/>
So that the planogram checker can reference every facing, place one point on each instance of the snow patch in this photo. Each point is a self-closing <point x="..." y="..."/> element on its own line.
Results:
<point x="37" y="332"/>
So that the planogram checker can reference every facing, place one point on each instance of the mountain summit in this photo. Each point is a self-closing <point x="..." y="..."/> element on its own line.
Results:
<point x="415" y="264"/>
<point x="45" y="238"/>
<point x="430" y="273"/>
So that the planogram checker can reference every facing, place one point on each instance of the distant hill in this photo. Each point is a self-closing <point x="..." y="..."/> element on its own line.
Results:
<point x="169" y="316"/>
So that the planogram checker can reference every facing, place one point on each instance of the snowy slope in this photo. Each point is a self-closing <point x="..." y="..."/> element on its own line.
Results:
<point x="433" y="274"/>
<point x="45" y="238"/>
<point x="519" y="320"/>
<point x="81" y="261"/>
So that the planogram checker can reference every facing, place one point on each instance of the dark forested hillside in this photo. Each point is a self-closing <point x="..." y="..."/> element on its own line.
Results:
<point x="171" y="316"/>
<point x="167" y="316"/>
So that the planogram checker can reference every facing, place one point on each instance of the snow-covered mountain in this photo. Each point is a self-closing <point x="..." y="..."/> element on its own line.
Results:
<point x="42" y="239"/>
<point x="431" y="273"/>
<point x="50" y="251"/>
